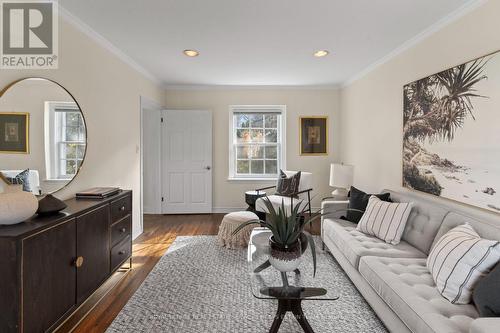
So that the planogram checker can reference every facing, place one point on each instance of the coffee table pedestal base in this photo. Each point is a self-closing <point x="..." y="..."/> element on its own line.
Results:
<point x="294" y="306"/>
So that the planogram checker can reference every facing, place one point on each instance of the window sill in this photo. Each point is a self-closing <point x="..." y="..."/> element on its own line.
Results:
<point x="253" y="179"/>
<point x="57" y="180"/>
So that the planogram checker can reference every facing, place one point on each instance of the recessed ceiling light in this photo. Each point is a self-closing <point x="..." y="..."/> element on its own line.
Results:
<point x="321" y="53"/>
<point x="191" y="53"/>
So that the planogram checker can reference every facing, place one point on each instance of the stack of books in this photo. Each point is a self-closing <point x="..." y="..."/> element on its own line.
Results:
<point x="98" y="193"/>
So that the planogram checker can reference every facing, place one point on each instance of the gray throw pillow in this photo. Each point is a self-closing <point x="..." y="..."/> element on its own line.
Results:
<point x="22" y="178"/>
<point x="288" y="186"/>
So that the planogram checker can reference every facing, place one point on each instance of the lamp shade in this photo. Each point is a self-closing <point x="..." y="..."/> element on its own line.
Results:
<point x="341" y="175"/>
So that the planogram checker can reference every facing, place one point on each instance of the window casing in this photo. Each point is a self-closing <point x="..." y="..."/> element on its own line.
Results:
<point x="65" y="140"/>
<point x="257" y="147"/>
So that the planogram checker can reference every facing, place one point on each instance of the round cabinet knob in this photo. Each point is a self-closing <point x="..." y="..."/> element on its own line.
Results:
<point x="121" y="253"/>
<point x="122" y="208"/>
<point x="79" y="262"/>
<point x="123" y="229"/>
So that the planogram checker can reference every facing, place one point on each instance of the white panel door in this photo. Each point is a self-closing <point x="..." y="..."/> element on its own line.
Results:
<point x="187" y="162"/>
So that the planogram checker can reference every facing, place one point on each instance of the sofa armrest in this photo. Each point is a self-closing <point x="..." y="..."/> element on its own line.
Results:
<point x="485" y="325"/>
<point x="332" y="209"/>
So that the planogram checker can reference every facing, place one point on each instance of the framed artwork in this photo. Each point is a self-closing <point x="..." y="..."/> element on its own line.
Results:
<point x="14" y="132"/>
<point x="451" y="133"/>
<point x="313" y="135"/>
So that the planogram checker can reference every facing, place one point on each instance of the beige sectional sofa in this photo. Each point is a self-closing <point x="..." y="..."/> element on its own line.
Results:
<point x="394" y="279"/>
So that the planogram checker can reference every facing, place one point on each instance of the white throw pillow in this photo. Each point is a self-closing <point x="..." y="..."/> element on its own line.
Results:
<point x="385" y="220"/>
<point x="458" y="260"/>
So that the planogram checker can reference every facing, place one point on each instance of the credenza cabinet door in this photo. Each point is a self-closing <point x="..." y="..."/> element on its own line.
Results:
<point x="49" y="276"/>
<point x="93" y="247"/>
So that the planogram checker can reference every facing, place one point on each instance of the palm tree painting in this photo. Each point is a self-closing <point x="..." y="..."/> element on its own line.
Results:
<point x="451" y="133"/>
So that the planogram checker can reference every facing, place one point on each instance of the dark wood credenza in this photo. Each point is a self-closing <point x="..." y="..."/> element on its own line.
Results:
<point x="50" y="265"/>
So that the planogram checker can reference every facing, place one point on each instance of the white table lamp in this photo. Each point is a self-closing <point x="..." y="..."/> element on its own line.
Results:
<point x="341" y="177"/>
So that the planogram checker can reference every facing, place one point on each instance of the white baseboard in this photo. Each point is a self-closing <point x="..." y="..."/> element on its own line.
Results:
<point x="225" y="210"/>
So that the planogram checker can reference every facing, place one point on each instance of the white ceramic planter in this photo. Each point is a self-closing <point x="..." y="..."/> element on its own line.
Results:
<point x="285" y="265"/>
<point x="285" y="259"/>
<point x="16" y="206"/>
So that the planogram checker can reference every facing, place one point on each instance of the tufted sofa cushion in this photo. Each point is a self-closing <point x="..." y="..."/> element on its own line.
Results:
<point x="485" y="228"/>
<point x="424" y="221"/>
<point x="407" y="287"/>
<point x="355" y="244"/>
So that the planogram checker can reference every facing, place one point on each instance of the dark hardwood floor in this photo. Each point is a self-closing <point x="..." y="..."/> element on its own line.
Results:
<point x="159" y="233"/>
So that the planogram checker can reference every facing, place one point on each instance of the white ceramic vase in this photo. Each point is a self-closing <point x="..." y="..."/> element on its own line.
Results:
<point x="16" y="205"/>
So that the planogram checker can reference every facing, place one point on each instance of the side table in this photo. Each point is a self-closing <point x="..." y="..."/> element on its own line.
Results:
<point x="250" y="198"/>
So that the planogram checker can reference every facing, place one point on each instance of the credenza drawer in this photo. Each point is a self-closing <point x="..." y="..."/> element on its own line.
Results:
<point x="120" y="208"/>
<point x="120" y="230"/>
<point x="121" y="252"/>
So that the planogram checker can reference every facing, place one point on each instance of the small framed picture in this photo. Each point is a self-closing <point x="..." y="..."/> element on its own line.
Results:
<point x="14" y="132"/>
<point x="314" y="135"/>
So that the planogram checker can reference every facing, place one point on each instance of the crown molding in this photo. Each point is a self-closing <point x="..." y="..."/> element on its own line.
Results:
<point x="447" y="20"/>
<point x="188" y="87"/>
<point x="99" y="39"/>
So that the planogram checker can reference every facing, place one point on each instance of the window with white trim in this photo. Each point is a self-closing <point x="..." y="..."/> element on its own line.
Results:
<point x="256" y="141"/>
<point x="65" y="139"/>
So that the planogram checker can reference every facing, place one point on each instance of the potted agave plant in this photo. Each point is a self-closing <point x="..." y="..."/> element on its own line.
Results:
<point x="288" y="240"/>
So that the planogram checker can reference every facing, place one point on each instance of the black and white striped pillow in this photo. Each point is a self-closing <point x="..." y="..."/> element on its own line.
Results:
<point x="458" y="260"/>
<point x="385" y="220"/>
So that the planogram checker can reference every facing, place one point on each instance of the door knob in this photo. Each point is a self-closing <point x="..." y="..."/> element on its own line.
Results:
<point x="208" y="167"/>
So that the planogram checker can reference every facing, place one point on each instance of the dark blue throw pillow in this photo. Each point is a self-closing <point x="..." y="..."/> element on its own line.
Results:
<point x="21" y="178"/>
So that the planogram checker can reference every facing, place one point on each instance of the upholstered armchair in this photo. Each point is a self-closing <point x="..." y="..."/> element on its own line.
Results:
<point x="302" y="197"/>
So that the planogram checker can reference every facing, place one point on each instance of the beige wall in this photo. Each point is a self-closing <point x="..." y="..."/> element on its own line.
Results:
<point x="229" y="194"/>
<point x="372" y="117"/>
<point x="108" y="92"/>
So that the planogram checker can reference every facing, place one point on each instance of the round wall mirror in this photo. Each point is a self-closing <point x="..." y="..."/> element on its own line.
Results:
<point x="43" y="137"/>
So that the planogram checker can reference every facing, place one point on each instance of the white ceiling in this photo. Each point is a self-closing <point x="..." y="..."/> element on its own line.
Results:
<point x="259" y="42"/>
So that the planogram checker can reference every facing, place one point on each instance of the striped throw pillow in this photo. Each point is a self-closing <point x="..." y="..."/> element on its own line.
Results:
<point x="385" y="220"/>
<point x="458" y="260"/>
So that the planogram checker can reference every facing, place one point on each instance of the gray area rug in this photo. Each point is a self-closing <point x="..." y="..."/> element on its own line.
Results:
<point x="198" y="286"/>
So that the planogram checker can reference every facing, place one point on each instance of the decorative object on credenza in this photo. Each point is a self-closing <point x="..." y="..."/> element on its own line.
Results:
<point x="313" y="135"/>
<point x="4" y="179"/>
<point x="97" y="193"/>
<point x="286" y="242"/>
<point x="14" y="132"/>
<point x="451" y="136"/>
<point x="16" y="205"/>
<point x="341" y="177"/>
<point x="4" y="183"/>
<point x="50" y="205"/>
